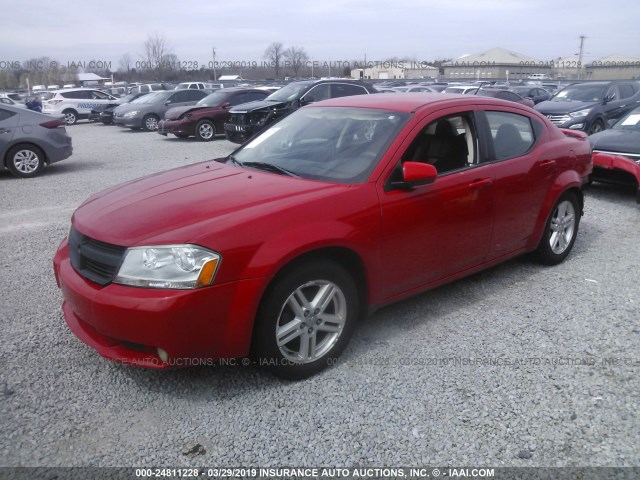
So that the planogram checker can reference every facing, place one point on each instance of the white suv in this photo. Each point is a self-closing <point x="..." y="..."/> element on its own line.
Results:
<point x="74" y="103"/>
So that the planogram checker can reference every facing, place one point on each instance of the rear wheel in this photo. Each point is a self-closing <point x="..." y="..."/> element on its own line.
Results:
<point x="560" y="231"/>
<point x="70" y="117"/>
<point x="25" y="161"/>
<point x="306" y="319"/>
<point x="205" y="131"/>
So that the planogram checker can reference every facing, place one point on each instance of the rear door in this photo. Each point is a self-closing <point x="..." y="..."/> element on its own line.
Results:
<point x="523" y="169"/>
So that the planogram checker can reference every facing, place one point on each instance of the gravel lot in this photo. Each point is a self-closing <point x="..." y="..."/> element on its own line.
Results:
<point x="400" y="394"/>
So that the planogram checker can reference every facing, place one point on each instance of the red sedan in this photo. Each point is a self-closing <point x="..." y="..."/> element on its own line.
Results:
<point x="343" y="206"/>
<point x="206" y="118"/>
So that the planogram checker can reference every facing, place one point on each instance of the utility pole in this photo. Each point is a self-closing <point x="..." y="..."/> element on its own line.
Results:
<point x="214" y="63"/>
<point x="582" y="37"/>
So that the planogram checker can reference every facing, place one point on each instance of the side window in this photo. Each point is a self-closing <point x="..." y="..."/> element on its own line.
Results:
<point x="258" y="96"/>
<point x="195" y="95"/>
<point x="99" y="95"/>
<point x="181" y="96"/>
<point x="193" y="86"/>
<point x="346" y="89"/>
<point x="238" y="99"/>
<point x="4" y="114"/>
<point x="512" y="134"/>
<point x="317" y="93"/>
<point x="79" y="94"/>
<point x="6" y="101"/>
<point x="508" y="96"/>
<point x="626" y="91"/>
<point x="144" y="88"/>
<point x="448" y="143"/>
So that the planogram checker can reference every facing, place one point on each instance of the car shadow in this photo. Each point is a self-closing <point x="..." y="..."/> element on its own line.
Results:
<point x="615" y="193"/>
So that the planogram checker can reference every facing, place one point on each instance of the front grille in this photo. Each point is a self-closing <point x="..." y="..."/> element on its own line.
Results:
<point x="558" y="119"/>
<point x="237" y="118"/>
<point x="95" y="260"/>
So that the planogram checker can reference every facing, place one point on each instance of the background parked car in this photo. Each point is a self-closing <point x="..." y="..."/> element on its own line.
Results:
<point x="616" y="152"/>
<point x="104" y="113"/>
<point x="6" y="100"/>
<point x="206" y="118"/>
<point x="150" y="87"/>
<point x="414" y="88"/>
<point x="592" y="106"/>
<point x="461" y="89"/>
<point x="505" y="95"/>
<point x="146" y="111"/>
<point x="29" y="140"/>
<point x="537" y="94"/>
<point x="247" y="120"/>
<point x="74" y="103"/>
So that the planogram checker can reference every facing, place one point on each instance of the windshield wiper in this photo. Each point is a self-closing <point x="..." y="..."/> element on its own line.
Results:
<point x="269" y="168"/>
<point x="234" y="161"/>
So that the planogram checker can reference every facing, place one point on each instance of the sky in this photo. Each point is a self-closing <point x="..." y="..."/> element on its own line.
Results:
<point x="328" y="30"/>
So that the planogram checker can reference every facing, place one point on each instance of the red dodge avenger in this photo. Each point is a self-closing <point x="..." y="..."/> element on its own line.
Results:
<point x="346" y="205"/>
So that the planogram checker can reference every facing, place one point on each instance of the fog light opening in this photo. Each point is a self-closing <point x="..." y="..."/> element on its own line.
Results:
<point x="164" y="356"/>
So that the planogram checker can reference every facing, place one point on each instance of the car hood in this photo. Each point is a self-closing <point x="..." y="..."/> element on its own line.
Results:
<point x="176" y="112"/>
<point x="257" y="105"/>
<point x="623" y="141"/>
<point x="129" y="107"/>
<point x="558" y="108"/>
<point x="191" y="204"/>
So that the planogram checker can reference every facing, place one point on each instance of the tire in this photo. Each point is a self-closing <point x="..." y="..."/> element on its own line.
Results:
<point x="70" y="117"/>
<point x="150" y="122"/>
<point x="560" y="231"/>
<point x="205" y="131"/>
<point x="25" y="161"/>
<point x="596" y="126"/>
<point x="310" y="338"/>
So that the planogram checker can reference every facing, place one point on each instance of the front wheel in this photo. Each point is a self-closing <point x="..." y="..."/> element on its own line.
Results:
<point x="560" y="231"/>
<point x="205" y="131"/>
<point x="150" y="123"/>
<point x="596" y="127"/>
<point x="306" y="319"/>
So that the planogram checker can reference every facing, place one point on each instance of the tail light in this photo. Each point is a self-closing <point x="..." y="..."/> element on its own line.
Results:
<point x="53" y="124"/>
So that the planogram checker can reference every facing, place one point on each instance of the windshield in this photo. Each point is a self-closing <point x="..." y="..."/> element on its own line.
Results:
<point x="151" y="97"/>
<point x="581" y="93"/>
<point x="213" y="100"/>
<point x="288" y="93"/>
<point x="630" y="122"/>
<point x="182" y="86"/>
<point x="331" y="144"/>
<point x="127" y="98"/>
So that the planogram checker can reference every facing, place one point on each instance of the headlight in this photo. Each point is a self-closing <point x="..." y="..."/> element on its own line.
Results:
<point x="131" y="114"/>
<point x="168" y="266"/>
<point x="580" y="113"/>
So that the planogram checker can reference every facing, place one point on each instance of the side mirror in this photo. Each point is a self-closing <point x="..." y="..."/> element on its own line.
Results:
<point x="306" y="101"/>
<point x="609" y="97"/>
<point x="167" y="102"/>
<point x="415" y="174"/>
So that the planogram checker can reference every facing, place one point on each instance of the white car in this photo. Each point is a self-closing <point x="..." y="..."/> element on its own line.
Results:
<point x="74" y="103"/>
<point x="462" y="89"/>
<point x="6" y="100"/>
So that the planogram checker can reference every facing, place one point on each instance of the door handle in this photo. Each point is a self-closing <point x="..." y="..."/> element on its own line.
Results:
<point x="481" y="183"/>
<point x="547" y="164"/>
<point x="4" y="130"/>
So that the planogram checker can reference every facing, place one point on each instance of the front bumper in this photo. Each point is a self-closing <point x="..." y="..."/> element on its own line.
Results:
<point x="179" y="127"/>
<point x="129" y="122"/>
<point x="616" y="168"/>
<point x="128" y="324"/>
<point x="239" y="133"/>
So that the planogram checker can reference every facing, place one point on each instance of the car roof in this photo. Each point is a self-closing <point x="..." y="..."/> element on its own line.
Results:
<point x="408" y="102"/>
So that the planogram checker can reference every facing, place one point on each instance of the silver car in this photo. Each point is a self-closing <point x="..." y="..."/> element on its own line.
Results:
<point x="145" y="112"/>
<point x="29" y="140"/>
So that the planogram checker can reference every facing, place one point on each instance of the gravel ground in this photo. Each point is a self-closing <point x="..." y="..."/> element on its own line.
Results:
<point x="520" y="365"/>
